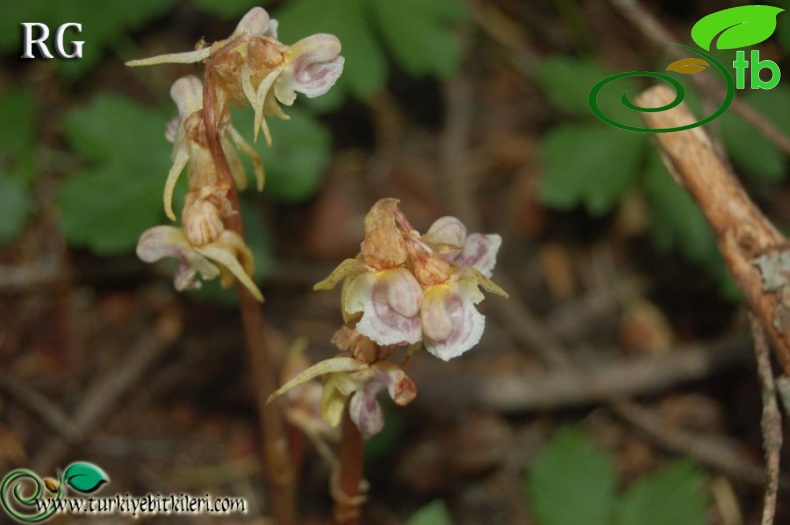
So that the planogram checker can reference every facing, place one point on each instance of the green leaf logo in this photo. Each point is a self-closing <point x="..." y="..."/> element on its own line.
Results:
<point x="738" y="26"/>
<point x="85" y="477"/>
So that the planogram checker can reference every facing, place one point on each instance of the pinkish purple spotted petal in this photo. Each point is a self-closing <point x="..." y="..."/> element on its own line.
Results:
<point x="450" y="322"/>
<point x="479" y="252"/>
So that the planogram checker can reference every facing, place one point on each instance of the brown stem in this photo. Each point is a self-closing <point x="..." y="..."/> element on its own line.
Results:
<point x="347" y="493"/>
<point x="277" y="458"/>
<point x="742" y="231"/>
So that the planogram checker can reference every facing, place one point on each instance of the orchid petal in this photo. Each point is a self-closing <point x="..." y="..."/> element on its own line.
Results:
<point x="272" y="31"/>
<point x="345" y="269"/>
<point x="365" y="411"/>
<point x="336" y="364"/>
<point x="480" y="252"/>
<point x="179" y="162"/>
<point x="187" y="93"/>
<point x="314" y="65"/>
<point x="450" y="322"/>
<point x="389" y="301"/>
<point x="255" y="22"/>
<point x="190" y="57"/>
<point x="168" y="241"/>
<point x="260" y="99"/>
<point x="234" y="163"/>
<point x="248" y="150"/>
<point x="447" y="230"/>
<point x="224" y="256"/>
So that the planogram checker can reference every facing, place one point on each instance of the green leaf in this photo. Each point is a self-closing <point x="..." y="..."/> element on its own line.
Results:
<point x="675" y="219"/>
<point x="674" y="495"/>
<point x="419" y="35"/>
<point x="229" y="9"/>
<point x="15" y="207"/>
<point x="590" y="164"/>
<point x="572" y="482"/>
<point x="676" y="222"/>
<point x="85" y="477"/>
<point x="567" y="83"/>
<point x="747" y="147"/>
<point x="299" y="155"/>
<point x="17" y="141"/>
<point x="741" y="26"/>
<point x="434" y="513"/>
<point x="103" y="24"/>
<point x="365" y="69"/>
<point x="107" y="207"/>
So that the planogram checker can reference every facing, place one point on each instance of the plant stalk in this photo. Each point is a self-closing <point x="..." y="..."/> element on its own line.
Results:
<point x="347" y="503"/>
<point x="277" y="459"/>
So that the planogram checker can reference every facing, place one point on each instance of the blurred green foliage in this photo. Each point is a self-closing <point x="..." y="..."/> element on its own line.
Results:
<point x="419" y="35"/>
<point x="17" y="162"/>
<point x="434" y="513"/>
<point x="118" y="194"/>
<point x="573" y="482"/>
<point x="588" y="163"/>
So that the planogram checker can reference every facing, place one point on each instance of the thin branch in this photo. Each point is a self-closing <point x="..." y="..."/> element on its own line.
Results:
<point x="602" y="382"/>
<point x="49" y="413"/>
<point x="771" y="421"/>
<point x="708" y="451"/>
<point x="742" y="231"/>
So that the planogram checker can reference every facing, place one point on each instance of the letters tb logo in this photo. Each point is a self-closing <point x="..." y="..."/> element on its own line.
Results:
<point x="36" y="34"/>
<point x="741" y="65"/>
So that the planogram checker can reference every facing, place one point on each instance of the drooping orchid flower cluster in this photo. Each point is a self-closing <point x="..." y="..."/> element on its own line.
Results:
<point x="402" y="289"/>
<point x="252" y="66"/>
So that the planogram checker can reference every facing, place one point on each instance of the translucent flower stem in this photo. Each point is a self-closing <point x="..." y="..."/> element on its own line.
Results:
<point x="279" y="468"/>
<point x="347" y="508"/>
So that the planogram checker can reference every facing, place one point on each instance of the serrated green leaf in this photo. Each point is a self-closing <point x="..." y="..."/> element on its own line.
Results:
<point x="736" y="27"/>
<point x="103" y="24"/>
<point x="229" y="9"/>
<point x="673" y="495"/>
<point x="118" y="130"/>
<point x="85" y="477"/>
<point x="590" y="164"/>
<point x="299" y="155"/>
<point x="365" y="69"/>
<point x="107" y="207"/>
<point x="572" y="482"/>
<point x="747" y="147"/>
<point x="418" y="34"/>
<point x="434" y="513"/>
<point x="17" y="140"/>
<point x="15" y="207"/>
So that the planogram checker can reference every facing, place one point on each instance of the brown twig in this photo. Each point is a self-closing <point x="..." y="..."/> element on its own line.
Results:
<point x="100" y="398"/>
<point x="771" y="421"/>
<point x="604" y="381"/>
<point x="742" y="231"/>
<point x="49" y="413"/>
<point x="279" y="469"/>
<point x="708" y="451"/>
<point x="652" y="28"/>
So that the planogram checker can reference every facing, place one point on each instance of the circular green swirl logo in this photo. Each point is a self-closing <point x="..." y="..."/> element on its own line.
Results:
<point x="680" y="94"/>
